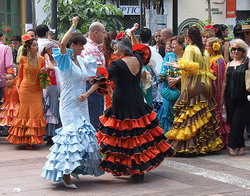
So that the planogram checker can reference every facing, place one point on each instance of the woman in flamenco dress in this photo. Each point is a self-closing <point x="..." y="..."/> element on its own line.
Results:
<point x="129" y="133"/>
<point x="29" y="125"/>
<point x="195" y="128"/>
<point x="75" y="149"/>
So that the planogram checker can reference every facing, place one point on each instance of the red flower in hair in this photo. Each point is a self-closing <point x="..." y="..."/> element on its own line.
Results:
<point x="211" y="27"/>
<point x="26" y="37"/>
<point x="120" y="35"/>
<point x="11" y="71"/>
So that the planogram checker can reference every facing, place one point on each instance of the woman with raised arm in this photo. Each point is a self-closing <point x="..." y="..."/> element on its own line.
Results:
<point x="129" y="133"/>
<point x="75" y="149"/>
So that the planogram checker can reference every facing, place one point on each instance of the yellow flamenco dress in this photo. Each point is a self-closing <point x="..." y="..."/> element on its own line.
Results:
<point x="195" y="128"/>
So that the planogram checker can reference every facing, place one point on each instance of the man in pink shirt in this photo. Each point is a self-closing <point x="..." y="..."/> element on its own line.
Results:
<point x="6" y="61"/>
<point x="93" y="50"/>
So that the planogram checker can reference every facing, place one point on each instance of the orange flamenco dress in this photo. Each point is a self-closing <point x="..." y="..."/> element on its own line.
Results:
<point x="29" y="125"/>
<point x="10" y="107"/>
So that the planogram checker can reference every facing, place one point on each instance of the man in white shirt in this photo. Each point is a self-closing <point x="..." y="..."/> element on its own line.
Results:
<point x="42" y="32"/>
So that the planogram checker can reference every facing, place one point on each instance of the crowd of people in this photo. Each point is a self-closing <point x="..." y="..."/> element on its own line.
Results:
<point x="121" y="103"/>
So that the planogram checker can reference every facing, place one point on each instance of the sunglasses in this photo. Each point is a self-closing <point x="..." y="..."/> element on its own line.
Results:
<point x="238" y="49"/>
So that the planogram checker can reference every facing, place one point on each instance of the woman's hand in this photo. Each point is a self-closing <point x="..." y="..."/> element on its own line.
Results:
<point x="75" y="21"/>
<point x="44" y="70"/>
<point x="135" y="27"/>
<point x="172" y="82"/>
<point x="83" y="97"/>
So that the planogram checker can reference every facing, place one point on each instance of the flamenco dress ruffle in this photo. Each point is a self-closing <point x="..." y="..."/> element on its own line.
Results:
<point x="132" y="141"/>
<point x="195" y="128"/>
<point x="8" y="113"/>
<point x="75" y="150"/>
<point x="27" y="131"/>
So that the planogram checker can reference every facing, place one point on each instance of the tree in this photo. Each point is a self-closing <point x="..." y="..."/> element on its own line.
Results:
<point x="88" y="10"/>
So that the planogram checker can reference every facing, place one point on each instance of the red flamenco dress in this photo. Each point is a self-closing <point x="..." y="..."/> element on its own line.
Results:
<point x="29" y="125"/>
<point x="10" y="107"/>
<point x="129" y="133"/>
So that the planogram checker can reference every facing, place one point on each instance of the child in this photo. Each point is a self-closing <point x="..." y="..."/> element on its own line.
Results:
<point x="10" y="102"/>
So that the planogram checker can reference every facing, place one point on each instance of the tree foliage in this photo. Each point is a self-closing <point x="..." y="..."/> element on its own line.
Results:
<point x="88" y="10"/>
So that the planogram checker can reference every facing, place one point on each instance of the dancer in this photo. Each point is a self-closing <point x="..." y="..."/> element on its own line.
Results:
<point x="195" y="129"/>
<point x="75" y="149"/>
<point x="217" y="64"/>
<point x="29" y="125"/>
<point x="51" y="94"/>
<point x="10" y="105"/>
<point x="129" y="133"/>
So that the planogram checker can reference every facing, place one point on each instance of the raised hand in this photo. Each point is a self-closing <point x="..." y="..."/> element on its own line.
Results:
<point x="75" y="21"/>
<point x="135" y="27"/>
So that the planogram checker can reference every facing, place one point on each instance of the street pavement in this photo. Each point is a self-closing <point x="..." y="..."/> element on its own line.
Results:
<point x="215" y="174"/>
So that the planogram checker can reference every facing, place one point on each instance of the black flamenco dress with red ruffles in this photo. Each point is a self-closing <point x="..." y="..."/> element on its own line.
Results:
<point x="129" y="133"/>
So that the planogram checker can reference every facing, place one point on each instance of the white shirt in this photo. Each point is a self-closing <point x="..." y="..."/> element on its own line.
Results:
<point x="42" y="42"/>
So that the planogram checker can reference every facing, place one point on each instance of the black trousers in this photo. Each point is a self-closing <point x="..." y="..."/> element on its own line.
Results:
<point x="238" y="115"/>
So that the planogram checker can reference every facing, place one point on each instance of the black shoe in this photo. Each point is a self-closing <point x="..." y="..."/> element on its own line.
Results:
<point x="137" y="177"/>
<point x="50" y="142"/>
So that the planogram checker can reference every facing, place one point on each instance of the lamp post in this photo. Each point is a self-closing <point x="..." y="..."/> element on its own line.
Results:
<point x="54" y="16"/>
<point x="175" y="17"/>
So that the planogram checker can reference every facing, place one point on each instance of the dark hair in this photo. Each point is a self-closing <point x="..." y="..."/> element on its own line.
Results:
<point x="76" y="38"/>
<point x="107" y="49"/>
<point x="16" y="38"/>
<point x="1" y="34"/>
<point x="195" y="36"/>
<point x="33" y="30"/>
<point x="112" y="33"/>
<point x="221" y="28"/>
<point x="41" y="30"/>
<point x="26" y="46"/>
<point x="237" y="30"/>
<point x="145" y="35"/>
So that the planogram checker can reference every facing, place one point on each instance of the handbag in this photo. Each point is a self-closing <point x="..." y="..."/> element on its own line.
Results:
<point x="247" y="80"/>
<point x="170" y="94"/>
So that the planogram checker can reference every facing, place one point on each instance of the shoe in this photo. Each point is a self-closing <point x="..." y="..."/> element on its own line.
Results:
<point x="137" y="177"/>
<point x="231" y="152"/>
<point x="28" y="147"/>
<point x="70" y="186"/>
<point x="75" y="175"/>
<point x="241" y="151"/>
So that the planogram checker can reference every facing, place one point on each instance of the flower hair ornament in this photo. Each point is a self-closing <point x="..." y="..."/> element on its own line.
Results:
<point x="120" y="35"/>
<point x="26" y="37"/>
<point x="211" y="27"/>
<point x="216" y="46"/>
<point x="11" y="71"/>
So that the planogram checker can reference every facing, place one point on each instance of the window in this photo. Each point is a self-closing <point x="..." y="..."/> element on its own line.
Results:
<point x="10" y="14"/>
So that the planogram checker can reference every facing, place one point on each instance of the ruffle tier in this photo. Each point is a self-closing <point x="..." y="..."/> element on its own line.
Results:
<point x="195" y="128"/>
<point x="27" y="131"/>
<point x="75" y="149"/>
<point x="8" y="113"/>
<point x="132" y="146"/>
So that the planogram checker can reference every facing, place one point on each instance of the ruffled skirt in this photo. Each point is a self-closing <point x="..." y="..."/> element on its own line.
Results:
<point x="8" y="113"/>
<point x="75" y="150"/>
<point x="132" y="141"/>
<point x="195" y="128"/>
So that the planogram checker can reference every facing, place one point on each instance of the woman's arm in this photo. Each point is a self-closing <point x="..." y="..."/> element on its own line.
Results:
<point x="134" y="40"/>
<point x="67" y="35"/>
<point x="92" y="89"/>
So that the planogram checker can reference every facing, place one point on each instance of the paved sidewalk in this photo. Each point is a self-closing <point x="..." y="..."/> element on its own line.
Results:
<point x="215" y="175"/>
